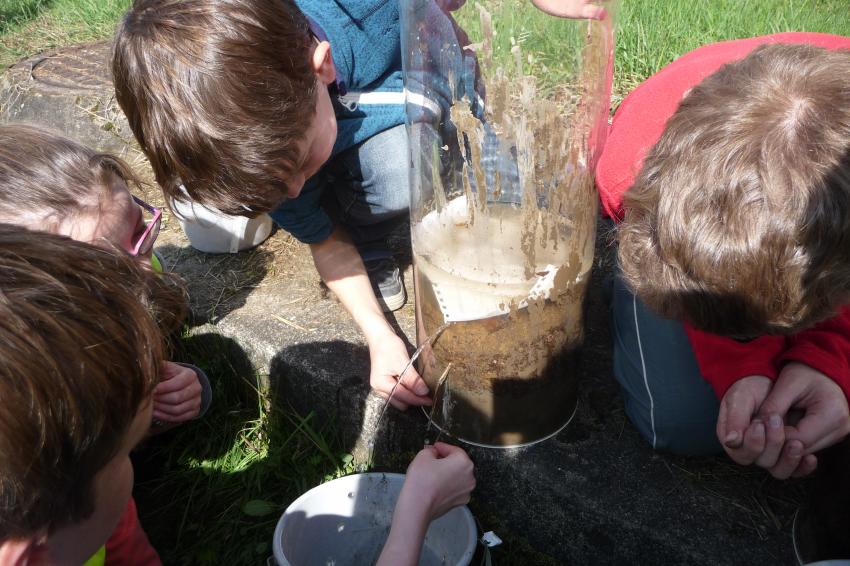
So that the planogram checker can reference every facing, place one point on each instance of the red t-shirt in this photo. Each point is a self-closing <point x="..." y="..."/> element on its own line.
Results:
<point x="637" y="126"/>
<point x="128" y="545"/>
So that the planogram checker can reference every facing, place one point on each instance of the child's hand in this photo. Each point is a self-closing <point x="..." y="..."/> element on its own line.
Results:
<point x="574" y="9"/>
<point x="438" y="479"/>
<point x="825" y="421"/>
<point x="388" y="357"/>
<point x="744" y="438"/>
<point x="177" y="397"/>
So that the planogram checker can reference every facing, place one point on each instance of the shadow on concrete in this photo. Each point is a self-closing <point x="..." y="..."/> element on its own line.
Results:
<point x="331" y="379"/>
<point x="218" y="284"/>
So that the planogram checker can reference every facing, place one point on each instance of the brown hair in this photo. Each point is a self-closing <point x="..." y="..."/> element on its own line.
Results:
<point x="219" y="93"/>
<point x="46" y="177"/>
<point x="739" y="221"/>
<point x="80" y="350"/>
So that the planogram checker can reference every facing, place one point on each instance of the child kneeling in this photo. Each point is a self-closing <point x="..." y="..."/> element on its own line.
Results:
<point x="736" y="232"/>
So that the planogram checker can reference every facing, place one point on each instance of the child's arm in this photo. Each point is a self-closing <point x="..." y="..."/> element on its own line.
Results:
<point x="741" y="375"/>
<point x="722" y="361"/>
<point x="341" y="268"/>
<point x="814" y="380"/>
<point x="177" y="397"/>
<point x="826" y="348"/>
<point x="575" y="9"/>
<point x="439" y="478"/>
<point x="825" y="417"/>
<point x="743" y="438"/>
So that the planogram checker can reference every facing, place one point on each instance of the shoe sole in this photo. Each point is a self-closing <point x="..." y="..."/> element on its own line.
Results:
<point x="393" y="302"/>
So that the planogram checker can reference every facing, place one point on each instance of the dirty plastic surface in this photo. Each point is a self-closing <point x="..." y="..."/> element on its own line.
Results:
<point x="503" y="209"/>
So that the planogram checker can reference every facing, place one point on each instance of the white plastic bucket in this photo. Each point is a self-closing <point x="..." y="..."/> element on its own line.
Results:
<point x="212" y="231"/>
<point x="345" y="522"/>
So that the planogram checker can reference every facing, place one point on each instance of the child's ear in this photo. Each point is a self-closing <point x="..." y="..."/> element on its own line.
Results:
<point x="24" y="552"/>
<point x="323" y="63"/>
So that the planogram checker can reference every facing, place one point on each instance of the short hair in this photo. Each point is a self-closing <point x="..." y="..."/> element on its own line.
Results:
<point x="46" y="177"/>
<point x="739" y="221"/>
<point x="81" y="343"/>
<point x="218" y="93"/>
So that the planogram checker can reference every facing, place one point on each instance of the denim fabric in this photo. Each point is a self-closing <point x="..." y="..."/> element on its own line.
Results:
<point x="370" y="186"/>
<point x="501" y="159"/>
<point x="666" y="397"/>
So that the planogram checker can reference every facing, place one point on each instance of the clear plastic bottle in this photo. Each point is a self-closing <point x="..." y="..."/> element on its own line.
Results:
<point x="507" y="111"/>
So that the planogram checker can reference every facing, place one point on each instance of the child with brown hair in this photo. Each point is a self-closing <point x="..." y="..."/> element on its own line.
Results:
<point x="245" y="104"/>
<point x="295" y="108"/>
<point x="81" y="343"/>
<point x="54" y="184"/>
<point x="80" y="359"/>
<point x="735" y="256"/>
<point x="736" y="230"/>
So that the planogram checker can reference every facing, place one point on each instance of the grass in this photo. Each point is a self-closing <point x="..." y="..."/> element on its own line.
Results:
<point x="229" y="476"/>
<point x="650" y="33"/>
<point x="31" y="26"/>
<point x="653" y="33"/>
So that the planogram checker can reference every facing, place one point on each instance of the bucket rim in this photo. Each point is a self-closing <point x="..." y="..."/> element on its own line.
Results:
<point x="468" y="518"/>
<point x="505" y="446"/>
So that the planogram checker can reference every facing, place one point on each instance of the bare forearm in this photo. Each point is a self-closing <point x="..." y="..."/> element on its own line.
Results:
<point x="407" y="534"/>
<point x="338" y="263"/>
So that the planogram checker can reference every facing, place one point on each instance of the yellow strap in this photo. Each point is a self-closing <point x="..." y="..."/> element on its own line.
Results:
<point x="99" y="558"/>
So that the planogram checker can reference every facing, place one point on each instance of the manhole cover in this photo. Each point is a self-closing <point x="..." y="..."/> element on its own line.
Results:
<point x="79" y="68"/>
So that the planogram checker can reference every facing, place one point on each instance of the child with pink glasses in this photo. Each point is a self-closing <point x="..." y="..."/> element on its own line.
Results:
<point x="53" y="184"/>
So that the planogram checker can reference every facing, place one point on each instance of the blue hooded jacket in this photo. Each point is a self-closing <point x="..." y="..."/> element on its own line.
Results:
<point x="366" y="49"/>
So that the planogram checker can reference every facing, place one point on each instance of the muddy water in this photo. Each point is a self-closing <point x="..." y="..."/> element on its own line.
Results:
<point x="513" y="355"/>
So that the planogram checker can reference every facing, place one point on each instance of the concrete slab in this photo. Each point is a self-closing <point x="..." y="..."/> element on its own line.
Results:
<point x="68" y="89"/>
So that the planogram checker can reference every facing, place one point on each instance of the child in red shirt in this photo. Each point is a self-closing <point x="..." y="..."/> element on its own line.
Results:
<point x="734" y="233"/>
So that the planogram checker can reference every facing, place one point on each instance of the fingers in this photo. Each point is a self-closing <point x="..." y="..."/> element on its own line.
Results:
<point x="753" y="444"/>
<point x="774" y="441"/>
<point x="444" y="450"/>
<point x="411" y="379"/>
<point x="183" y="380"/>
<point x="190" y="392"/>
<point x="822" y="427"/>
<point x="808" y="465"/>
<point x="429" y="452"/>
<point x="176" y="413"/>
<point x="781" y="397"/>
<point x="571" y="9"/>
<point x="592" y="12"/>
<point x="733" y="420"/>
<point x="825" y="414"/>
<point x="402" y="397"/>
<point x="789" y="461"/>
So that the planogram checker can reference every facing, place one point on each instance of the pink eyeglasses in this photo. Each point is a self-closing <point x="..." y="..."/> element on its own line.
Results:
<point x="144" y="243"/>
